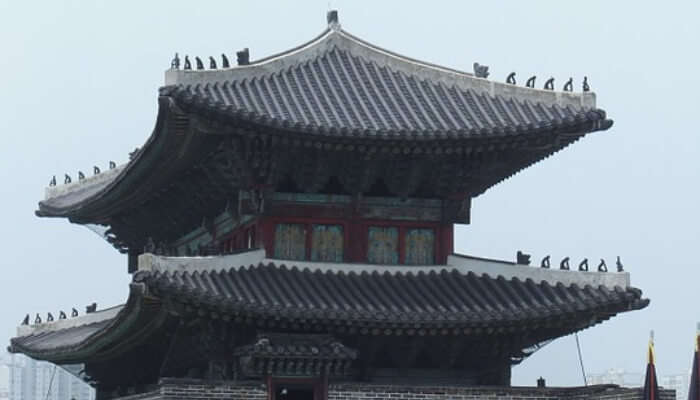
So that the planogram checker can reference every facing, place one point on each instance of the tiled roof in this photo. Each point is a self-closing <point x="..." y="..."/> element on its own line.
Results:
<point x="275" y="345"/>
<point x="76" y="339"/>
<point x="339" y="85"/>
<point x="427" y="300"/>
<point x="341" y="299"/>
<point x="295" y="354"/>
<point x="56" y="339"/>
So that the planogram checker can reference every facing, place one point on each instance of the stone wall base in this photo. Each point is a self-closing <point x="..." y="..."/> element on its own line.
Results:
<point x="181" y="389"/>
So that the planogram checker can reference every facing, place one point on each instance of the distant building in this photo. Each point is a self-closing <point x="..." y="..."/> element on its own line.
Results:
<point x="39" y="380"/>
<point x="679" y="382"/>
<point x="4" y="382"/>
<point x="618" y="376"/>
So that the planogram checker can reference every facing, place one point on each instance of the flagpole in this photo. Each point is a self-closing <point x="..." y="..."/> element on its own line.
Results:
<point x="694" y="386"/>
<point x="651" y="385"/>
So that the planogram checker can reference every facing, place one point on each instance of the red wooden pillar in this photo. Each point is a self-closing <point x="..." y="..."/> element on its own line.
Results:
<point x="446" y="243"/>
<point x="402" y="244"/>
<point x="266" y="235"/>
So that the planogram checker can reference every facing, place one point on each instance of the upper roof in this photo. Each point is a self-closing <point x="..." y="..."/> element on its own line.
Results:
<point x="340" y="85"/>
<point x="336" y="94"/>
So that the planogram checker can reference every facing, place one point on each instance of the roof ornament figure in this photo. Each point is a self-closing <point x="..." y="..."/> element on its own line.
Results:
<point x="212" y="63"/>
<point x="49" y="317"/>
<point x="25" y="321"/>
<point x="74" y="312"/>
<point x="243" y="57"/>
<point x="522" y="258"/>
<point x="95" y="170"/>
<point x="175" y="63"/>
<point x="61" y="315"/>
<point x="52" y="182"/>
<point x="481" y="71"/>
<point x="545" y="262"/>
<point x="188" y="64"/>
<point x="586" y="88"/>
<point x="150" y="246"/>
<point x="618" y="263"/>
<point x="37" y="320"/>
<point x="569" y="85"/>
<point x="91" y="308"/>
<point x="332" y="19"/>
<point x="81" y="175"/>
<point x="564" y="264"/>
<point x="200" y="64"/>
<point x="549" y="85"/>
<point x="531" y="81"/>
<point x="112" y="165"/>
<point x="67" y="179"/>
<point x="224" y="61"/>
<point x="583" y="265"/>
<point x="133" y="154"/>
<point x="511" y="78"/>
<point x="602" y="267"/>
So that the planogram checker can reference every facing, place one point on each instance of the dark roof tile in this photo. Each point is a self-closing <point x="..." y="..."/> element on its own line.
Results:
<point x="338" y="84"/>
<point x="281" y="292"/>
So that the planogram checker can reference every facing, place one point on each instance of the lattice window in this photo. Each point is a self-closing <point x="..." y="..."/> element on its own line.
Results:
<point x="420" y="247"/>
<point x="327" y="243"/>
<point x="383" y="245"/>
<point x="290" y="241"/>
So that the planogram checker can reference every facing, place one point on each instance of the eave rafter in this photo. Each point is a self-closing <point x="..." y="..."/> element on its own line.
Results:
<point x="210" y="157"/>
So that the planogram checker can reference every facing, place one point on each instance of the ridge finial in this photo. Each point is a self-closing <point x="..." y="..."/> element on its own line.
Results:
<point x="481" y="71"/>
<point x="332" y="19"/>
<point x="243" y="56"/>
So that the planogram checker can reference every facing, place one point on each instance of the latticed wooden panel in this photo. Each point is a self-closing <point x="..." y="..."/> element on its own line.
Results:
<point x="327" y="243"/>
<point x="383" y="245"/>
<point x="420" y="247"/>
<point x="290" y="241"/>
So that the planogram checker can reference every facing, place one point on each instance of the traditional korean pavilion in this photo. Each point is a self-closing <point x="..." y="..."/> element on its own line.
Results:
<point x="289" y="232"/>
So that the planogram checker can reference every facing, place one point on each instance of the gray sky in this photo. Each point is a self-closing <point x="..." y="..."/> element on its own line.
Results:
<point x="79" y="88"/>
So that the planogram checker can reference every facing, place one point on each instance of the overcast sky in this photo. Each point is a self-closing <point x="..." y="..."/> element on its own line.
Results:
<point x="79" y="87"/>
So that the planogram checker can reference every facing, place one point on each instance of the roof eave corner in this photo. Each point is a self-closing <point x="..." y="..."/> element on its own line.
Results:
<point x="172" y="76"/>
<point x="588" y="100"/>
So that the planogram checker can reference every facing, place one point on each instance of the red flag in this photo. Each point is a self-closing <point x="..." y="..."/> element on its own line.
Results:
<point x="694" y="389"/>
<point x="651" y="385"/>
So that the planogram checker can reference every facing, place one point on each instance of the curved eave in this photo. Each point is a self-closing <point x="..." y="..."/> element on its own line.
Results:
<point x="524" y="305"/>
<point x="584" y="121"/>
<point x="570" y="115"/>
<point x="96" y="204"/>
<point x="135" y="321"/>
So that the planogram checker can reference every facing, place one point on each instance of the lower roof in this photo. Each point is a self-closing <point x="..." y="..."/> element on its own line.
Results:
<point x="446" y="300"/>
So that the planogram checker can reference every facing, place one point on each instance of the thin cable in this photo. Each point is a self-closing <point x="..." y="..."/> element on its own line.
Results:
<point x="580" y="360"/>
<point x="48" y="392"/>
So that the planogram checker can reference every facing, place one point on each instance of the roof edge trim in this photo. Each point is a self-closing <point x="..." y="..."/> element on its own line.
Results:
<point x="86" y="319"/>
<point x="460" y="263"/>
<point x="509" y="270"/>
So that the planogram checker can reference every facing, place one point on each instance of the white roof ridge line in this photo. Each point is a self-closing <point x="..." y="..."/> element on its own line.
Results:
<point x="73" y="322"/>
<point x="463" y="265"/>
<point x="404" y="58"/>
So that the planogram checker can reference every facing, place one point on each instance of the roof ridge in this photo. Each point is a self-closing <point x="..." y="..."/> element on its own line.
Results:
<point x="331" y="38"/>
<point x="75" y="322"/>
<point x="464" y="265"/>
